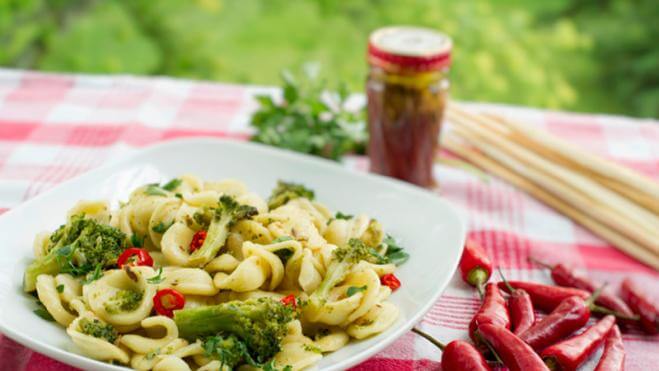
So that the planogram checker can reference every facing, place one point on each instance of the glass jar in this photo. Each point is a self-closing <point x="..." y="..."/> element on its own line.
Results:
<point x="407" y="89"/>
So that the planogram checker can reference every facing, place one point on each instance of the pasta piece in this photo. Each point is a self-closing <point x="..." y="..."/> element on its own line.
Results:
<point x="309" y="278"/>
<point x="122" y="297"/>
<point x="175" y="244"/>
<point x="97" y="210"/>
<point x="332" y="340"/>
<point x="40" y="244"/>
<point x="229" y="187"/>
<point x="140" y="213"/>
<point x="297" y="224"/>
<point x="297" y="350"/>
<point x="369" y="280"/>
<point x="190" y="184"/>
<point x="94" y="347"/>
<point x="69" y="287"/>
<point x="222" y="263"/>
<point x="250" y="274"/>
<point x="251" y="230"/>
<point x="188" y="281"/>
<point x="252" y="199"/>
<point x="337" y="308"/>
<point x="171" y="363"/>
<point x="214" y="366"/>
<point x="48" y="295"/>
<point x="142" y="344"/>
<point x="162" y="218"/>
<point x="276" y="267"/>
<point x="148" y="361"/>
<point x="203" y="198"/>
<point x="318" y="214"/>
<point x="378" y="319"/>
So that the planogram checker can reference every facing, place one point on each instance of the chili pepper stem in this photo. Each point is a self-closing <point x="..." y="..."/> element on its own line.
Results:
<point x="478" y="277"/>
<point x="590" y="302"/>
<point x="600" y="309"/>
<point x="540" y="263"/>
<point x="505" y="281"/>
<point x="494" y="352"/>
<point x="431" y="339"/>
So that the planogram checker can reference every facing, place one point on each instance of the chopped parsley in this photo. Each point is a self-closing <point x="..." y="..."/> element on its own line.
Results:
<point x="158" y="278"/>
<point x="60" y="288"/>
<point x="155" y="189"/>
<point x="123" y="301"/>
<point x="161" y="227"/>
<point x="98" y="329"/>
<point x="136" y="240"/>
<point x="42" y="312"/>
<point x="340" y="215"/>
<point x="172" y="184"/>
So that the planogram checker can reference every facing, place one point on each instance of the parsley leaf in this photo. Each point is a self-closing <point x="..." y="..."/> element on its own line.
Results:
<point x="136" y="240"/>
<point x="172" y="184"/>
<point x="395" y="253"/>
<point x="60" y="288"/>
<point x="155" y="190"/>
<point x="340" y="215"/>
<point x="42" y="312"/>
<point x="93" y="275"/>
<point x="161" y="227"/>
<point x="158" y="278"/>
<point x="309" y="120"/>
<point x="352" y="290"/>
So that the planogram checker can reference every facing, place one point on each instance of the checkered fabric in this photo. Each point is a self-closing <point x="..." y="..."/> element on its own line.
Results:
<point x="54" y="127"/>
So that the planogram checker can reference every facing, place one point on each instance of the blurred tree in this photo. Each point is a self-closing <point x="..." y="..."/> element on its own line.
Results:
<point x="568" y="54"/>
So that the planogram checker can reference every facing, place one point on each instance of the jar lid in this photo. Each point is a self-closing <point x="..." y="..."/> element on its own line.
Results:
<point x="415" y="48"/>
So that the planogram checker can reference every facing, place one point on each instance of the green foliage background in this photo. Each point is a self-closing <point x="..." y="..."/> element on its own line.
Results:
<point x="584" y="55"/>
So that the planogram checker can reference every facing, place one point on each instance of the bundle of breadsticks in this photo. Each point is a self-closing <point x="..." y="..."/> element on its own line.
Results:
<point x="614" y="202"/>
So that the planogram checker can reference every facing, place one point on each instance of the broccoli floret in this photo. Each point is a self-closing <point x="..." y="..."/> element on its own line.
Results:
<point x="259" y="323"/>
<point x="220" y="219"/>
<point x="227" y="349"/>
<point x="344" y="259"/>
<point x="98" y="329"/>
<point x="78" y="247"/>
<point x="285" y="192"/>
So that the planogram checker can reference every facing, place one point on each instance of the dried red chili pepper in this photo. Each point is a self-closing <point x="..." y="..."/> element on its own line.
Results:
<point x="493" y="310"/>
<point x="475" y="266"/>
<point x="520" y="307"/>
<point x="198" y="240"/>
<point x="135" y="256"/>
<point x="569" y="354"/>
<point x="390" y="281"/>
<point x="458" y="354"/>
<point x="572" y="314"/>
<point x="289" y="300"/>
<point x="513" y="352"/>
<point x="563" y="276"/>
<point x="546" y="297"/>
<point x="641" y="305"/>
<point x="613" y="356"/>
<point x="166" y="301"/>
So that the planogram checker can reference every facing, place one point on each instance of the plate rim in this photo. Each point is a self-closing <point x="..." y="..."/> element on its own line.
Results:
<point x="79" y="360"/>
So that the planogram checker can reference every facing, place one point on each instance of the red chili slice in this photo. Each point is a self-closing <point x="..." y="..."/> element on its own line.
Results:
<point x="198" y="240"/>
<point x="166" y="301"/>
<point x="390" y="281"/>
<point x="135" y="256"/>
<point x="290" y="300"/>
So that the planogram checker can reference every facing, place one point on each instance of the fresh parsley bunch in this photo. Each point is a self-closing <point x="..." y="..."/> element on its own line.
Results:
<point x="309" y="119"/>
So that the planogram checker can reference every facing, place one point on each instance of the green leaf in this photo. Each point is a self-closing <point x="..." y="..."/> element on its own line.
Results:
<point x="155" y="190"/>
<point x="60" y="288"/>
<point x="352" y="290"/>
<point x="395" y="254"/>
<point x="172" y="184"/>
<point x="136" y="240"/>
<point x="161" y="227"/>
<point x="340" y="215"/>
<point x="42" y="312"/>
<point x="158" y="278"/>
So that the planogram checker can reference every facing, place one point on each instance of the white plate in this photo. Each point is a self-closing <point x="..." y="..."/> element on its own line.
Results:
<point x="427" y="226"/>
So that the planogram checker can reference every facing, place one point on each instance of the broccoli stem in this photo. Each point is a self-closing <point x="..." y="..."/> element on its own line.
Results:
<point x="45" y="265"/>
<point x="209" y="320"/>
<point x="218" y="232"/>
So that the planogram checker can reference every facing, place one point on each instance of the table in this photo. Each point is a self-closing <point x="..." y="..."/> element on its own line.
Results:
<point x="55" y="126"/>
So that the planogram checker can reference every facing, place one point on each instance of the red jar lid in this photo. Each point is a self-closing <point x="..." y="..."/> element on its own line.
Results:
<point x="409" y="48"/>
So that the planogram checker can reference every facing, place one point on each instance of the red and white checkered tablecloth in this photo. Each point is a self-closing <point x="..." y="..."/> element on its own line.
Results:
<point x="54" y="127"/>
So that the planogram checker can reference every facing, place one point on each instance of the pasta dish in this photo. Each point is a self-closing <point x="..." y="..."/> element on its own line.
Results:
<point x="206" y="275"/>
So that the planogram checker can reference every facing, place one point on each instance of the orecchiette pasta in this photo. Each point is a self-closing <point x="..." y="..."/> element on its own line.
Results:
<point x="188" y="245"/>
